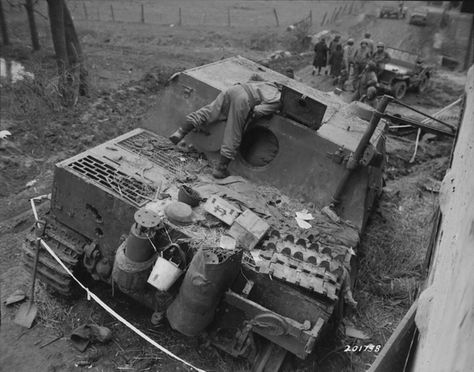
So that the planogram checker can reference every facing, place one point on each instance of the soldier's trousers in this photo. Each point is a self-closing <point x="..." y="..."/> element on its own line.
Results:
<point x="232" y="105"/>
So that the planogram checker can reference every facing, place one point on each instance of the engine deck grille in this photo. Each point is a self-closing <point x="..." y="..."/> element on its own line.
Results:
<point x="154" y="148"/>
<point x="114" y="180"/>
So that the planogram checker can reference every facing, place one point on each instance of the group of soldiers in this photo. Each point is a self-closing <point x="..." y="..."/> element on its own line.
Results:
<point x="363" y="63"/>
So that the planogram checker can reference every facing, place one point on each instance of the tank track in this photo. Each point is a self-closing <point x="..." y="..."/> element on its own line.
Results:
<point x="307" y="262"/>
<point x="68" y="245"/>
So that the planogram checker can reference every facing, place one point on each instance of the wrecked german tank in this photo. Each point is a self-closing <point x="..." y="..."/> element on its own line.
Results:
<point x="263" y="260"/>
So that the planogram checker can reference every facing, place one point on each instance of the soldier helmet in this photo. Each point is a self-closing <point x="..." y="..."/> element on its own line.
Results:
<point x="350" y="41"/>
<point x="371" y="93"/>
<point x="364" y="41"/>
<point x="380" y="45"/>
<point x="367" y="35"/>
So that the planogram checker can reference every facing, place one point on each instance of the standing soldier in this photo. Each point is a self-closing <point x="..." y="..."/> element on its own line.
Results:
<point x="335" y="60"/>
<point x="349" y="51"/>
<point x="332" y="48"/>
<point x="380" y="57"/>
<point x="361" y="56"/>
<point x="369" y="41"/>
<point x="320" y="56"/>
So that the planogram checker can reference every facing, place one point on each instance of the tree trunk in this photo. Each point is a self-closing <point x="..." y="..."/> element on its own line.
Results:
<point x="56" y="21"/>
<point x="3" y="24"/>
<point x="31" y="20"/>
<point x="74" y="51"/>
<point x="69" y="57"/>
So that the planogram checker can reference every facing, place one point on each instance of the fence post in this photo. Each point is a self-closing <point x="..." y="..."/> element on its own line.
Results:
<point x="333" y="17"/>
<point x="337" y="13"/>
<point x="228" y="18"/>
<point x="142" y="13"/>
<point x="85" y="10"/>
<point x="112" y="13"/>
<point x="324" y="19"/>
<point x="277" y="21"/>
<point x="180" y="21"/>
<point x="310" y="18"/>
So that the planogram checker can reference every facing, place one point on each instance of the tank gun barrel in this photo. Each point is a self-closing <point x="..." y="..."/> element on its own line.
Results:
<point x="359" y="151"/>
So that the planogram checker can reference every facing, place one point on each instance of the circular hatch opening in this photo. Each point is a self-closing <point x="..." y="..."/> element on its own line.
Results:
<point x="259" y="146"/>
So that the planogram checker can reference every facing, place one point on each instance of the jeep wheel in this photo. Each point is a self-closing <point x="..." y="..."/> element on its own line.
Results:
<point x="399" y="89"/>
<point x="424" y="85"/>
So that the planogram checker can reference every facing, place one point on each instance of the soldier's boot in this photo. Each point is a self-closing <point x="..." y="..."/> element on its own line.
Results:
<point x="221" y="169"/>
<point x="182" y="131"/>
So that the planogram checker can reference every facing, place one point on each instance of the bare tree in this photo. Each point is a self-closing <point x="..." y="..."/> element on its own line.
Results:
<point x="30" y="11"/>
<point x="69" y="57"/>
<point x="3" y="24"/>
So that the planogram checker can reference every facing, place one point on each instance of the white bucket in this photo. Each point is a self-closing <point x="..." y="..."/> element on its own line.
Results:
<point x="164" y="274"/>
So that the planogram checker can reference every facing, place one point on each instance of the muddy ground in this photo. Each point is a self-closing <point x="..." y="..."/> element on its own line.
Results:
<point x="128" y="65"/>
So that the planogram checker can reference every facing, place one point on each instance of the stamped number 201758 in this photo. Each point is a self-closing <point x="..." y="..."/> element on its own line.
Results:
<point x="357" y="348"/>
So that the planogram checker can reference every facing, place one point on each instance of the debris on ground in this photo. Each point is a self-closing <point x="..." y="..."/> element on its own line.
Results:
<point x="17" y="296"/>
<point x="85" y="334"/>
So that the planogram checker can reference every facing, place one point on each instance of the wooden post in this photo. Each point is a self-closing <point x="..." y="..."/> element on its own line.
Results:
<point x="324" y="19"/>
<point x="229" y="24"/>
<point x="142" y="18"/>
<point x="310" y="18"/>
<point x="337" y="13"/>
<point x="3" y="25"/>
<point x="468" y="59"/>
<point x="345" y="8"/>
<point x="85" y="11"/>
<point x="333" y="17"/>
<point x="180" y="21"/>
<point x="277" y="21"/>
<point x="31" y="21"/>
<point x="112" y="12"/>
<point x="351" y="8"/>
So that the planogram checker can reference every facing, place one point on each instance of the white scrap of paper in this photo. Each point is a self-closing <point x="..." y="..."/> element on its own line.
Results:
<point x="304" y="215"/>
<point x="255" y="256"/>
<point x="4" y="134"/>
<point x="302" y="223"/>
<point x="227" y="242"/>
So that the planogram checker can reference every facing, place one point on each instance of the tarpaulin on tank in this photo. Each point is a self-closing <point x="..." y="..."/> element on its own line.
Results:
<point x="209" y="275"/>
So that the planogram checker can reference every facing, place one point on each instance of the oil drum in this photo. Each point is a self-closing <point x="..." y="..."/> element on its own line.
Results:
<point x="130" y="276"/>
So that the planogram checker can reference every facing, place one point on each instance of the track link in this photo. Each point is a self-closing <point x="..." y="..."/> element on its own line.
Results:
<point x="69" y="247"/>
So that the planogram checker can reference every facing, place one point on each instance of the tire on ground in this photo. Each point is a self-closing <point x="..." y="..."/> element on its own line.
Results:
<point x="424" y="85"/>
<point x="399" y="89"/>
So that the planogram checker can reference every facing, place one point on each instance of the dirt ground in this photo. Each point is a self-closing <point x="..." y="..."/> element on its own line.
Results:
<point x="128" y="64"/>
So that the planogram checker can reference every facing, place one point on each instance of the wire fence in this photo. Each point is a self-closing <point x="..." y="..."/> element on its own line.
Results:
<point x="216" y="12"/>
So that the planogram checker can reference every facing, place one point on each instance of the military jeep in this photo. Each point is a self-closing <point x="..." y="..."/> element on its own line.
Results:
<point x="404" y="72"/>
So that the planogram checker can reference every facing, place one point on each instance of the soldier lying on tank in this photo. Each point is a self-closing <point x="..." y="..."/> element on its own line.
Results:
<point x="238" y="105"/>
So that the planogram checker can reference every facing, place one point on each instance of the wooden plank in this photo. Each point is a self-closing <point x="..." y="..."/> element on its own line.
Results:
<point x="394" y="354"/>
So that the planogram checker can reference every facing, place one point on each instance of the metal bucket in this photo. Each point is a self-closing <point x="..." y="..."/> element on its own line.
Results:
<point x="165" y="272"/>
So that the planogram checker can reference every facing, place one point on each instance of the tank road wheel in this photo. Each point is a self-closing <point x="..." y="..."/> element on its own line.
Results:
<point x="399" y="89"/>
<point x="424" y="84"/>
